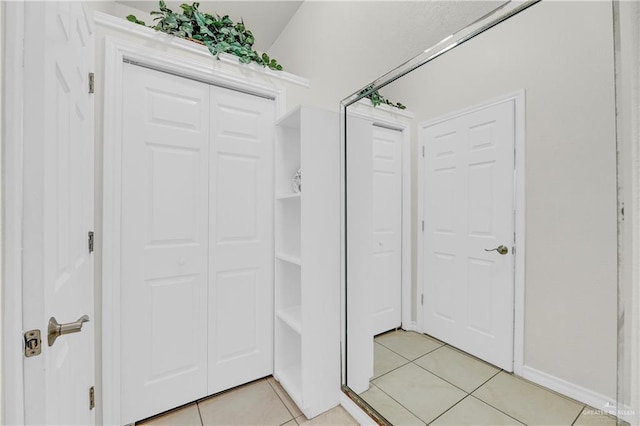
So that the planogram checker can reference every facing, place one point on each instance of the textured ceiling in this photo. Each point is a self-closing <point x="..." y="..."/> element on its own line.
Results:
<point x="265" y="18"/>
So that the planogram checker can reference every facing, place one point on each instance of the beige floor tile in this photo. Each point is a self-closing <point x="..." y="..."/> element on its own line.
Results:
<point x="458" y="368"/>
<point x="527" y="402"/>
<point x="593" y="417"/>
<point x="291" y="422"/>
<point x="253" y="404"/>
<point x="284" y="396"/>
<point x="337" y="416"/>
<point x="473" y="412"/>
<point x="389" y="408"/>
<point x="385" y="360"/>
<point x="422" y="393"/>
<point x="186" y="416"/>
<point x="409" y="344"/>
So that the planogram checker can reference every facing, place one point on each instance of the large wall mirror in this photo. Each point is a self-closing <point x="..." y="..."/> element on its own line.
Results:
<point x="481" y="227"/>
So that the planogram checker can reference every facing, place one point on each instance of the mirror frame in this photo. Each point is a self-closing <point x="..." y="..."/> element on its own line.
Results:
<point x="502" y="13"/>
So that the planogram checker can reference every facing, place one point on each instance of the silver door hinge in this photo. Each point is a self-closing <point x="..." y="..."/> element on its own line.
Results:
<point x="423" y="226"/>
<point x="92" y="78"/>
<point x="90" y="241"/>
<point x="32" y="343"/>
<point x="92" y="398"/>
<point x="422" y="299"/>
<point x="422" y="151"/>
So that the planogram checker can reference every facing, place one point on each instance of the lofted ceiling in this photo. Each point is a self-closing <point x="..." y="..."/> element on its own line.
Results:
<point x="265" y="18"/>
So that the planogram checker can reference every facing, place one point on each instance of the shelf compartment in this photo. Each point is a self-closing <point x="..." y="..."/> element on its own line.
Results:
<point x="291" y="196"/>
<point x="292" y="317"/>
<point x="295" y="260"/>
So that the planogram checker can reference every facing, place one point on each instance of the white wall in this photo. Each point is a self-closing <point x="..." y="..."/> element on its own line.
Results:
<point x="341" y="46"/>
<point x="562" y="55"/>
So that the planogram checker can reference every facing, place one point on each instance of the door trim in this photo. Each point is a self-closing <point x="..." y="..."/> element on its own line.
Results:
<point x="11" y="370"/>
<point x="118" y="52"/>
<point x="382" y="120"/>
<point x="518" y="98"/>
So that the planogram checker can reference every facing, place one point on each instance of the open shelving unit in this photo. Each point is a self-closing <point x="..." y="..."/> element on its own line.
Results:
<point x="307" y="262"/>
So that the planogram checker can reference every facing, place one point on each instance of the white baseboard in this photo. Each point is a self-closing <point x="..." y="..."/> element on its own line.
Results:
<point x="579" y="393"/>
<point x="354" y="411"/>
<point x="411" y="326"/>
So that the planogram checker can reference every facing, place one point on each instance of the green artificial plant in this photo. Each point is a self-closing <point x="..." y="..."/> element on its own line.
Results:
<point x="219" y="34"/>
<point x="377" y="99"/>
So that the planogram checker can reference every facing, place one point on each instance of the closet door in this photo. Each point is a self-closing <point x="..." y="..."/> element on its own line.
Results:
<point x="165" y="156"/>
<point x="241" y="239"/>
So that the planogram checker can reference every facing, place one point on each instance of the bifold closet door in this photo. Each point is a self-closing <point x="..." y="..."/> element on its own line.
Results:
<point x="241" y="239"/>
<point x="165" y="156"/>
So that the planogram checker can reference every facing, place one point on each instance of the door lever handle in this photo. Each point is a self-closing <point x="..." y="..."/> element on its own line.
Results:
<point x="56" y="330"/>
<point x="500" y="249"/>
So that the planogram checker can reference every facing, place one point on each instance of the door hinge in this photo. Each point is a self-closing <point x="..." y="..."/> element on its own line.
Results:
<point x="422" y="151"/>
<point x="92" y="398"/>
<point x="32" y="343"/>
<point x="422" y="299"/>
<point x="423" y="226"/>
<point x="90" y="241"/>
<point x="92" y="78"/>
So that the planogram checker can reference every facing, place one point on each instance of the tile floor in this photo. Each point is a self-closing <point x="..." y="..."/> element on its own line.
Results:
<point x="263" y="402"/>
<point x="419" y="380"/>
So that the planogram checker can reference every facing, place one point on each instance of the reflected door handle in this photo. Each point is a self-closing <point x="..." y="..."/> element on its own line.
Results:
<point x="500" y="249"/>
<point x="56" y="330"/>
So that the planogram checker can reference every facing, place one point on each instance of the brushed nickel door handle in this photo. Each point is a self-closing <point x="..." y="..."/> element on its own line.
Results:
<point x="56" y="330"/>
<point x="500" y="249"/>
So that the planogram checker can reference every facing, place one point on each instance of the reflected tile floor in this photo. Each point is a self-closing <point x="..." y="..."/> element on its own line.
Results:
<point x="263" y="402"/>
<point x="419" y="380"/>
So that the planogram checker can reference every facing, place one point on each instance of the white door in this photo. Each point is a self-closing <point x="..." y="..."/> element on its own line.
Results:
<point x="58" y="210"/>
<point x="241" y="238"/>
<point x="387" y="229"/>
<point x="164" y="258"/>
<point x="469" y="209"/>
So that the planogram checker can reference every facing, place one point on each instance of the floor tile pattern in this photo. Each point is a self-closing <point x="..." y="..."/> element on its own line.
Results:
<point x="263" y="402"/>
<point x="419" y="380"/>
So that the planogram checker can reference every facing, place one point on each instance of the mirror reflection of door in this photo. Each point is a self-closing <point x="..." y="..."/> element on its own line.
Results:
<point x="468" y="195"/>
<point x="387" y="229"/>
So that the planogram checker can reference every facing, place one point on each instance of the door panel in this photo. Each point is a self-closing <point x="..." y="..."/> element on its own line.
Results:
<point x="387" y="229"/>
<point x="58" y="210"/>
<point x="164" y="241"/>
<point x="241" y="243"/>
<point x="468" y="207"/>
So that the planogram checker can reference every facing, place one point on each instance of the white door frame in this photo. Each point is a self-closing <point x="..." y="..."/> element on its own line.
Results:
<point x="518" y="99"/>
<point x="383" y="119"/>
<point x="12" y="194"/>
<point x="116" y="53"/>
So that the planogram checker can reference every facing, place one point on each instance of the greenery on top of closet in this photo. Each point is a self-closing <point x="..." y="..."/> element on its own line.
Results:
<point x="219" y="34"/>
<point x="377" y="99"/>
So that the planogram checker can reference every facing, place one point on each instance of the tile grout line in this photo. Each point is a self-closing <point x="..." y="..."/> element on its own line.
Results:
<point x="283" y="403"/>
<point x="497" y="409"/>
<point x="199" y="413"/>
<point x="410" y="360"/>
<point x="449" y="409"/>
<point x="579" y="414"/>
<point x="398" y="402"/>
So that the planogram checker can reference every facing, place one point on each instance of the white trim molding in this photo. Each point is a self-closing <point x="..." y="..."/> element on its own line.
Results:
<point x="117" y="52"/>
<point x="12" y="379"/>
<point x="125" y="27"/>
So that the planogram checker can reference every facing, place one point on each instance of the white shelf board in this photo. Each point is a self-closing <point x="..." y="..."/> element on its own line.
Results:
<point x="288" y="258"/>
<point x="292" y="196"/>
<point x="292" y="317"/>
<point x="291" y="380"/>
<point x="290" y="119"/>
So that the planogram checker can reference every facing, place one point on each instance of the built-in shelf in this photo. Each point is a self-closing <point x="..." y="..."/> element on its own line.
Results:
<point x="296" y="260"/>
<point x="292" y="196"/>
<point x="307" y="296"/>
<point x="292" y="317"/>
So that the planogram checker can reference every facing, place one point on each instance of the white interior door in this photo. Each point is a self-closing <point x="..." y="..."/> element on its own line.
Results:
<point x="387" y="229"/>
<point x="469" y="208"/>
<point x="164" y="246"/>
<point x="58" y="210"/>
<point x="241" y="238"/>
